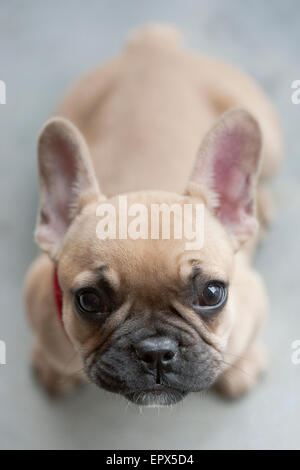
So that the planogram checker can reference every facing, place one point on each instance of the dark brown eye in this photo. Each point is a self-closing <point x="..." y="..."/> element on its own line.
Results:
<point x="89" y="301"/>
<point x="210" y="298"/>
<point x="212" y="295"/>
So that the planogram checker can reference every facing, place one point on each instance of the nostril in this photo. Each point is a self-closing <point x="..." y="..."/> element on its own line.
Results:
<point x="148" y="358"/>
<point x="145" y="356"/>
<point x="168" y="356"/>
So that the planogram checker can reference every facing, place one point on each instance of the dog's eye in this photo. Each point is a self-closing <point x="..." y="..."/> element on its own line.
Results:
<point x="90" y="301"/>
<point x="211" y="297"/>
<point x="212" y="294"/>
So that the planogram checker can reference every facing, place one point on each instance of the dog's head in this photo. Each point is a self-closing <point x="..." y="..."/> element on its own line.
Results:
<point x="149" y="317"/>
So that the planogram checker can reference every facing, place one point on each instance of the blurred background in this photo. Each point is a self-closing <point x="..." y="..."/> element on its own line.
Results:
<point x="44" y="46"/>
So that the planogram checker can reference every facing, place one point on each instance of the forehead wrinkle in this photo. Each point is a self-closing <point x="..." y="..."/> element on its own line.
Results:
<point x="97" y="274"/>
<point x="188" y="270"/>
<point x="85" y="277"/>
<point x="193" y="266"/>
<point x="108" y="274"/>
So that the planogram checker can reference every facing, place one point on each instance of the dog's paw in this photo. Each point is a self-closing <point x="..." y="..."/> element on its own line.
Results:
<point x="244" y="374"/>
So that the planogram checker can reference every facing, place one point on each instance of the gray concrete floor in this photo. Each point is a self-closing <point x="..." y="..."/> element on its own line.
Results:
<point x="43" y="47"/>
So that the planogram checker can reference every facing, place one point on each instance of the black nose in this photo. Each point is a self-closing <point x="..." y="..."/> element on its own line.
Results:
<point x="157" y="351"/>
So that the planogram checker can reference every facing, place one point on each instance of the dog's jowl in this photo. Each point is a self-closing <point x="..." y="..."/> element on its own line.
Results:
<point x="153" y="317"/>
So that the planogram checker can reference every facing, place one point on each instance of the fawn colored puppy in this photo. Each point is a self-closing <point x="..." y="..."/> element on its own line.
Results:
<point x="144" y="316"/>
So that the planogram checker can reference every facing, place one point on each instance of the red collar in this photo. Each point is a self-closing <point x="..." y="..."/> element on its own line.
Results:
<point x="58" y="296"/>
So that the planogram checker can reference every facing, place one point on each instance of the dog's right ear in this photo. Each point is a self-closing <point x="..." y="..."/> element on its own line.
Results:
<point x="67" y="181"/>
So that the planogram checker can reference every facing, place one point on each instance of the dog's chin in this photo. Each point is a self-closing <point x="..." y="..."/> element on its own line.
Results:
<point x="155" y="398"/>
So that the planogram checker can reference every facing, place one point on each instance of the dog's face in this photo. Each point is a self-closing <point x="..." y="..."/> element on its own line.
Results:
<point x="149" y="318"/>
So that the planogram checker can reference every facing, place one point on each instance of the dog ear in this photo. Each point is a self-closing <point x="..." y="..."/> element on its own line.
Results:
<point x="67" y="181"/>
<point x="225" y="173"/>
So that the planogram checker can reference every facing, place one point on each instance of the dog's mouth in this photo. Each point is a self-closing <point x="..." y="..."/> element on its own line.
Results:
<point x="156" y="397"/>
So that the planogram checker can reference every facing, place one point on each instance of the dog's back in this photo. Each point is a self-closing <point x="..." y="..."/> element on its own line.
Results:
<point x="145" y="113"/>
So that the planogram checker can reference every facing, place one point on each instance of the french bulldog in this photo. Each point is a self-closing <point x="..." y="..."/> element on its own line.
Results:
<point x="143" y="317"/>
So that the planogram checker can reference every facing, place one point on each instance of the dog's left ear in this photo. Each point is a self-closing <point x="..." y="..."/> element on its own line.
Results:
<point x="225" y="173"/>
<point x="67" y="181"/>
